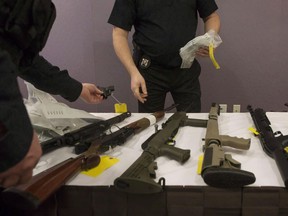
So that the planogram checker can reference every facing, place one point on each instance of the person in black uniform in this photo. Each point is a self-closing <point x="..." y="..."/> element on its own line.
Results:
<point x="161" y="27"/>
<point x="24" y="29"/>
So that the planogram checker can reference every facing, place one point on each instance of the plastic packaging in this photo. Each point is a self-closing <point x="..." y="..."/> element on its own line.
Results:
<point x="210" y="39"/>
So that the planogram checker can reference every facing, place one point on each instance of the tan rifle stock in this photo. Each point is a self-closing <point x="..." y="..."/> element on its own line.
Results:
<point x="220" y="169"/>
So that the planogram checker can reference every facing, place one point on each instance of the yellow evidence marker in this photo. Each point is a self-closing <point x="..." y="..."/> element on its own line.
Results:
<point x="119" y="107"/>
<point x="105" y="163"/>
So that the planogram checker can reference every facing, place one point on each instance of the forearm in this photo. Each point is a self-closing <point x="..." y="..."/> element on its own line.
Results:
<point x="212" y="22"/>
<point x="122" y="50"/>
<point x="51" y="79"/>
<point x="120" y="42"/>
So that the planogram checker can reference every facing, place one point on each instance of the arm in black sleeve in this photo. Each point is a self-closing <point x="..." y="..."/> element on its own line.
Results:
<point x="16" y="129"/>
<point x="206" y="7"/>
<point x="51" y="79"/>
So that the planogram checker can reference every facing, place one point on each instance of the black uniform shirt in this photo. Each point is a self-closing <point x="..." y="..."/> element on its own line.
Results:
<point x="162" y="27"/>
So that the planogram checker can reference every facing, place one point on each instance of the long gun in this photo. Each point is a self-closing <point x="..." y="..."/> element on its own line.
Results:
<point x="79" y="137"/>
<point x="138" y="178"/>
<point x="274" y="144"/>
<point x="120" y="136"/>
<point x="29" y="196"/>
<point x="220" y="169"/>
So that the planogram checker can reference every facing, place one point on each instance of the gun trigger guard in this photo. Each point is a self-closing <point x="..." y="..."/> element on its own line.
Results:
<point x="151" y="169"/>
<point x="171" y="142"/>
<point x="230" y="162"/>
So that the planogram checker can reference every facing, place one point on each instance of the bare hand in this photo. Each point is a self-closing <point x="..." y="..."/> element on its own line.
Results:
<point x="203" y="51"/>
<point x="22" y="172"/>
<point x="91" y="94"/>
<point x="138" y="87"/>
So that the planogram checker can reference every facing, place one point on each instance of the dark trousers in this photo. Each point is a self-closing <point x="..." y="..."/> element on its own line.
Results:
<point x="183" y="84"/>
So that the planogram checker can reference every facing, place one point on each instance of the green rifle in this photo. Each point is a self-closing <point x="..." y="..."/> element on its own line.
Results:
<point x="220" y="169"/>
<point x="138" y="177"/>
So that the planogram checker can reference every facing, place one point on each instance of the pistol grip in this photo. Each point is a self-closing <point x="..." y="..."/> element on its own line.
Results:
<point x="227" y="177"/>
<point x="180" y="155"/>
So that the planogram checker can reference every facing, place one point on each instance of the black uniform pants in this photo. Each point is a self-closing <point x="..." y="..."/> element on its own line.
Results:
<point x="183" y="84"/>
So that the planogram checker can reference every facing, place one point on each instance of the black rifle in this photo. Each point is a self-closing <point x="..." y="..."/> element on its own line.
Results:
<point x="137" y="178"/>
<point x="220" y="169"/>
<point x="120" y="136"/>
<point x="274" y="144"/>
<point x="82" y="137"/>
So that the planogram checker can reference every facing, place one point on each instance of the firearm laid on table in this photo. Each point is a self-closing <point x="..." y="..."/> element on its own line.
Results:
<point x="81" y="137"/>
<point x="220" y="169"/>
<point x="138" y="178"/>
<point x="29" y="196"/>
<point x="120" y="136"/>
<point x="274" y="144"/>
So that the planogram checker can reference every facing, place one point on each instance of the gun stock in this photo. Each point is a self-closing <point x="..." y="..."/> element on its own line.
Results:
<point x="137" y="178"/>
<point x="220" y="169"/>
<point x="29" y="196"/>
